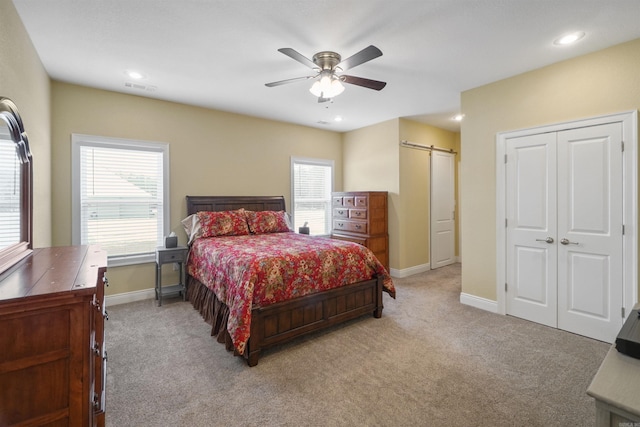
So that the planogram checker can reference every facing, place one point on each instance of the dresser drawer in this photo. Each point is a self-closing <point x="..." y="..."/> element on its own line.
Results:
<point x="351" y="226"/>
<point x="360" y="201"/>
<point x="336" y="200"/>
<point x="358" y="213"/>
<point x="164" y="256"/>
<point x="348" y="201"/>
<point x="340" y="213"/>
<point x="359" y="240"/>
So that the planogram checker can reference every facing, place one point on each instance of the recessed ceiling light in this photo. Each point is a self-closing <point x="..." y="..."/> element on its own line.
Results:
<point x="457" y="117"/>
<point x="338" y="118"/>
<point x="568" y="39"/>
<point x="137" y="75"/>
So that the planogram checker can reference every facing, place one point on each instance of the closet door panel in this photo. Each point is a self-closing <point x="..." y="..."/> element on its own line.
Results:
<point x="531" y="228"/>
<point x="590" y="194"/>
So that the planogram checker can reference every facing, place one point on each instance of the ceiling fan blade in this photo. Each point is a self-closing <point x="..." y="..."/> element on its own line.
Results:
<point x="293" y="54"/>
<point x="366" y="54"/>
<point x="360" y="81"/>
<point x="284" y="82"/>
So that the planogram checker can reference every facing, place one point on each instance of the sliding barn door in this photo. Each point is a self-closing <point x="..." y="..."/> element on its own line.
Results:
<point x="443" y="231"/>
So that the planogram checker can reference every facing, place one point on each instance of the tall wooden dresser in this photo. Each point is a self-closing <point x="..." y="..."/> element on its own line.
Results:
<point x="361" y="217"/>
<point x="52" y="354"/>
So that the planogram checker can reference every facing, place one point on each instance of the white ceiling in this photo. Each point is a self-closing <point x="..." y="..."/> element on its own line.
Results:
<point x="219" y="54"/>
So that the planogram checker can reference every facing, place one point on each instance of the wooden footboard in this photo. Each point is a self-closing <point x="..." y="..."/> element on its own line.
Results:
<point x="282" y="322"/>
<point x="285" y="321"/>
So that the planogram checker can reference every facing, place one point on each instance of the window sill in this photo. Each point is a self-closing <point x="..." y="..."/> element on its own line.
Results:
<point x="121" y="261"/>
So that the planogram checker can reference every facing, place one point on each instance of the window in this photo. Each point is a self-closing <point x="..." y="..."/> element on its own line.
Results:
<point x="311" y="186"/>
<point x="120" y="196"/>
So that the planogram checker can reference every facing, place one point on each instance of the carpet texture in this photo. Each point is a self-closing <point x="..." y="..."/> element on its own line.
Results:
<point x="429" y="361"/>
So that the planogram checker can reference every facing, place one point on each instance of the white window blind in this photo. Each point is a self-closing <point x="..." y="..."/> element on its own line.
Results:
<point x="10" y="174"/>
<point x="312" y="183"/>
<point x="122" y="199"/>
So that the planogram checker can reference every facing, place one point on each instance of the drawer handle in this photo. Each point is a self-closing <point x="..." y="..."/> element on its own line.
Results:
<point x="106" y="315"/>
<point x="340" y="224"/>
<point x="96" y="402"/>
<point x="96" y="349"/>
<point x="105" y="280"/>
<point x="358" y="227"/>
<point x="340" y="212"/>
<point x="358" y="213"/>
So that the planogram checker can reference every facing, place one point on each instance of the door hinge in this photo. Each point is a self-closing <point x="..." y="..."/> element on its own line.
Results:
<point x="505" y="158"/>
<point x="622" y="312"/>
<point x="623" y="229"/>
<point x="505" y="286"/>
<point x="622" y="145"/>
<point x="506" y="222"/>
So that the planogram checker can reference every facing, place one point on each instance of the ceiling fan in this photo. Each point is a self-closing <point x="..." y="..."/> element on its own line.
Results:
<point x="328" y="67"/>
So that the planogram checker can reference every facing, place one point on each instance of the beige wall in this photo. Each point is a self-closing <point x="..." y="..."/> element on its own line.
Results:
<point x="211" y="152"/>
<point x="374" y="160"/>
<point x="371" y="163"/>
<point x="604" y="82"/>
<point x="24" y="80"/>
<point x="415" y="183"/>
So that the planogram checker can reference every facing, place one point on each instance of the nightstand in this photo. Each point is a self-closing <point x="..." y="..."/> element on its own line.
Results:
<point x="164" y="255"/>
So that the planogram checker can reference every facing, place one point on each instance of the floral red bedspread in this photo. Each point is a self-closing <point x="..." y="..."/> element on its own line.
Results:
<point x="257" y="270"/>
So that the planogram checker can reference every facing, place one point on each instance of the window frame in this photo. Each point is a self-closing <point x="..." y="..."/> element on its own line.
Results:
<point x="317" y="162"/>
<point x="82" y="140"/>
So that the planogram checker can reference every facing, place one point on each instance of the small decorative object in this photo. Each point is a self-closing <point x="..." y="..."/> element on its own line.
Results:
<point x="304" y="229"/>
<point x="171" y="241"/>
<point x="628" y="339"/>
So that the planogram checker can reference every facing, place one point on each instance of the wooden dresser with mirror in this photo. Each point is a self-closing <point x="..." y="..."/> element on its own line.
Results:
<point x="52" y="311"/>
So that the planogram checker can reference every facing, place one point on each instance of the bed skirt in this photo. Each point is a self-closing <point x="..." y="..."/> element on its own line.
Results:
<point x="284" y="321"/>
<point x="212" y="310"/>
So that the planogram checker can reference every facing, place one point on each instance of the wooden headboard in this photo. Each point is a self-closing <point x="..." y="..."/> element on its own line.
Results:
<point x="230" y="203"/>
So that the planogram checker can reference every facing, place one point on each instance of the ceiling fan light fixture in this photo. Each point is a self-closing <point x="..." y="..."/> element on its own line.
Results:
<point x="327" y="87"/>
<point x="327" y="64"/>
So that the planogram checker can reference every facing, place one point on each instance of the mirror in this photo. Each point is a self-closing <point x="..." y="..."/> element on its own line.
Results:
<point x="9" y="189"/>
<point x="15" y="187"/>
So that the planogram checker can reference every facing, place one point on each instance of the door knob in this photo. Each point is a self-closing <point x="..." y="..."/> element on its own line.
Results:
<point x="566" y="241"/>
<point x="548" y="240"/>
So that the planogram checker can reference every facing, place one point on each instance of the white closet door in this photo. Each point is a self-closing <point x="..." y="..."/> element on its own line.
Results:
<point x="443" y="232"/>
<point x="531" y="228"/>
<point x="590" y="195"/>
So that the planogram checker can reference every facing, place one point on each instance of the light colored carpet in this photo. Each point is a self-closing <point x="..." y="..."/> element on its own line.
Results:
<point x="429" y="361"/>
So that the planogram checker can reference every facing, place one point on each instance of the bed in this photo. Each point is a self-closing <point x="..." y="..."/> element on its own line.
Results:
<point x="257" y="316"/>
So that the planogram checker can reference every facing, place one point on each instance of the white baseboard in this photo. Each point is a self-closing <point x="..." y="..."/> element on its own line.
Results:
<point x="126" y="297"/>
<point x="406" y="272"/>
<point x="479" y="302"/>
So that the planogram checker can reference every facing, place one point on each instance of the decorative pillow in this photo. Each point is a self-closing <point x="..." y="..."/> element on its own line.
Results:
<point x="268" y="221"/>
<point x="225" y="223"/>
<point x="192" y="227"/>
